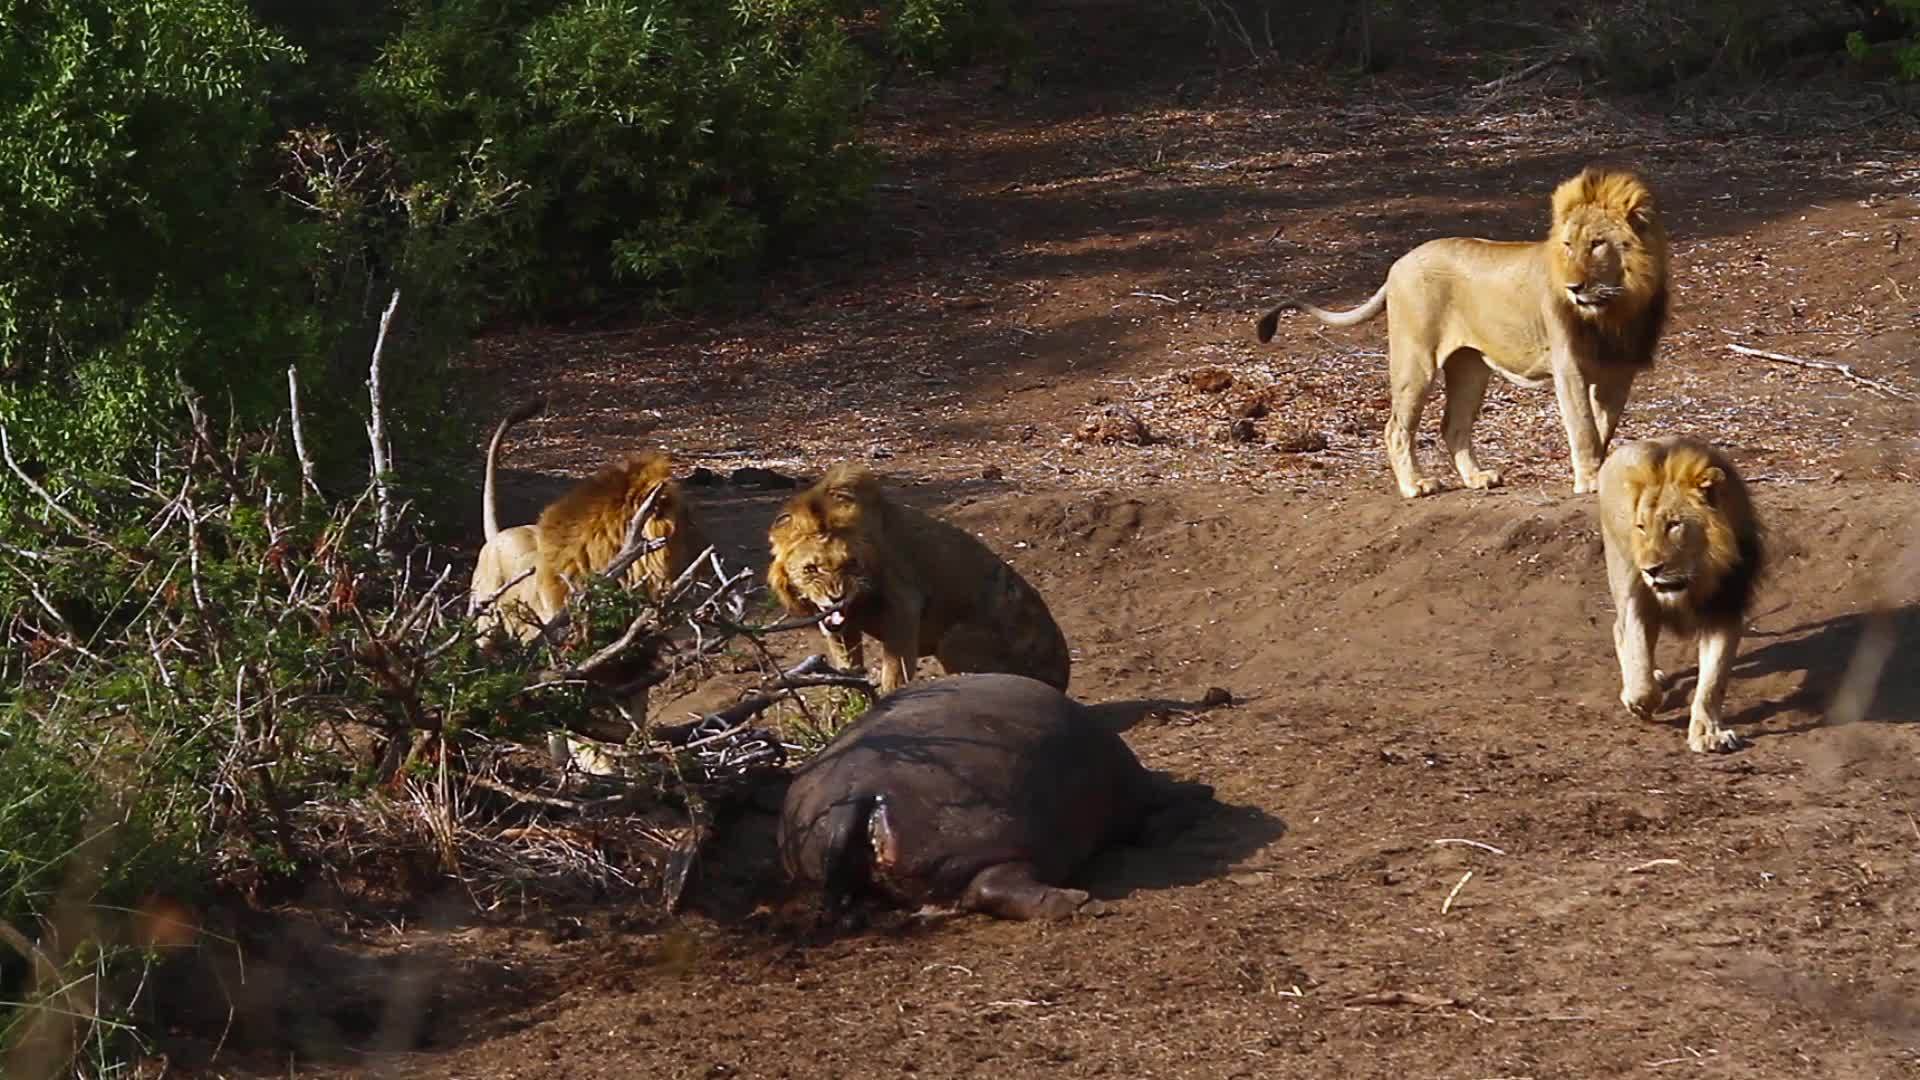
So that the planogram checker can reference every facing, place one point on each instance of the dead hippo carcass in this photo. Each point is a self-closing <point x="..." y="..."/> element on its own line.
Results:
<point x="985" y="792"/>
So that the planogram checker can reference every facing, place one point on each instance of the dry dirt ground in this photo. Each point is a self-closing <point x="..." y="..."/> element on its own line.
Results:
<point x="1407" y="675"/>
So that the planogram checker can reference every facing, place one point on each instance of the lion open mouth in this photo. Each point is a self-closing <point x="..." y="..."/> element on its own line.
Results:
<point x="1666" y="584"/>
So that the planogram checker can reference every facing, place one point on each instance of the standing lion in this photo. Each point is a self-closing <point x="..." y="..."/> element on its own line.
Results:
<point x="1683" y="553"/>
<point x="920" y="586"/>
<point x="1583" y="307"/>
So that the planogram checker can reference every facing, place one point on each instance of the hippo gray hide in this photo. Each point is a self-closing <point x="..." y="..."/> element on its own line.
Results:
<point x="985" y="792"/>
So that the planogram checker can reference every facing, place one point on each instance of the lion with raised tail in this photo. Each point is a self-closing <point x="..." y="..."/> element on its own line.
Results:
<point x="1584" y="307"/>
<point x="1684" y="553"/>
<point x="508" y="554"/>
<point x="918" y="585"/>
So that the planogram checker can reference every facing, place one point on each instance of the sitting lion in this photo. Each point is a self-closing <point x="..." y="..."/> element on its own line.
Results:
<point x="916" y="584"/>
<point x="1584" y="307"/>
<point x="507" y="554"/>
<point x="1683" y="552"/>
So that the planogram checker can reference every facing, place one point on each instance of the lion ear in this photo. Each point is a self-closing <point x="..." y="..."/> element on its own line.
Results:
<point x="1641" y="216"/>
<point x="845" y="495"/>
<point x="1709" y="483"/>
<point x="782" y="519"/>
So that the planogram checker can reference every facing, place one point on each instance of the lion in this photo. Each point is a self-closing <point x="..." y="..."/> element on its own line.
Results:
<point x="1684" y="552"/>
<point x="508" y="553"/>
<point x="1584" y="307"/>
<point x="918" y="585"/>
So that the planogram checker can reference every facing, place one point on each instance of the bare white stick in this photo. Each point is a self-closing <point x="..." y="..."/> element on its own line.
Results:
<point x="1471" y="843"/>
<point x="377" y="431"/>
<point x="636" y="543"/>
<point x="1843" y="370"/>
<point x="1447" y="904"/>
<point x="6" y="451"/>
<point x="299" y="434"/>
<point x="1650" y="864"/>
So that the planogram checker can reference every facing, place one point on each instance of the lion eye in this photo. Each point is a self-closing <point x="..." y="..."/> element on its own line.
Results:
<point x="1599" y="246"/>
<point x="1639" y="526"/>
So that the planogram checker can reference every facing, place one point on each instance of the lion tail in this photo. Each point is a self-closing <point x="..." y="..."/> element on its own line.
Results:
<point x="1375" y="304"/>
<point x="848" y="866"/>
<point x="490" y="517"/>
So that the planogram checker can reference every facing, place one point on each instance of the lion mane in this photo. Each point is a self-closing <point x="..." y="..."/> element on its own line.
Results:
<point x="1684" y="552"/>
<point x="916" y="584"/>
<point x="1583" y="307"/>
<point x="580" y="532"/>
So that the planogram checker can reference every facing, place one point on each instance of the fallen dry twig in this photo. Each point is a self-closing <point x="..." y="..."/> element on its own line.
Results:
<point x="1843" y="370"/>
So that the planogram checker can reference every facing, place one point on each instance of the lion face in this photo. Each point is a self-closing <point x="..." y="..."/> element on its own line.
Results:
<point x="1607" y="249"/>
<point x="1591" y="260"/>
<point x="824" y="570"/>
<point x="1677" y="544"/>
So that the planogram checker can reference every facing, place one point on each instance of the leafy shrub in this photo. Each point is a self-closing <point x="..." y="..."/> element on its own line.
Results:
<point x="1906" y="53"/>
<point x="134" y="243"/>
<point x="659" y="141"/>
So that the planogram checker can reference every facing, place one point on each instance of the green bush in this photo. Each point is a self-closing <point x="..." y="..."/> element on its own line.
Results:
<point x="658" y="142"/>
<point x="136" y="239"/>
<point x="1906" y="53"/>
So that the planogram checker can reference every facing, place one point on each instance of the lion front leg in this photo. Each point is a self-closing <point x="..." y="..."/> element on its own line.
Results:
<point x="1608" y="396"/>
<point x="1583" y="437"/>
<point x="844" y="650"/>
<point x="1717" y="648"/>
<point x="1634" y="638"/>
<point x="899" y="643"/>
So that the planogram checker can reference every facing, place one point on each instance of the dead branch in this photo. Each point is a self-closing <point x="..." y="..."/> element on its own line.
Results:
<point x="377" y="432"/>
<point x="799" y="621"/>
<point x="636" y="543"/>
<point x="299" y="435"/>
<point x="1403" y="997"/>
<point x="1843" y="370"/>
<point x="6" y="450"/>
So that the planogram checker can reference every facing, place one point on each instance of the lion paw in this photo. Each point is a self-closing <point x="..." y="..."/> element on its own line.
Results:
<point x="1642" y="704"/>
<point x="1703" y="740"/>
<point x="1425" y="485"/>
<point x="1586" y="483"/>
<point x="1483" y="480"/>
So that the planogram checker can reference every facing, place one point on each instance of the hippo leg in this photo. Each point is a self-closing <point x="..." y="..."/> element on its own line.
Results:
<point x="1009" y="891"/>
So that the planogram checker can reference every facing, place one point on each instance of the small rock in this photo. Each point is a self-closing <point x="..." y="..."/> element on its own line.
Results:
<point x="1215" y="697"/>
<point x="1254" y="407"/>
<point x="752" y="476"/>
<point x="993" y="472"/>
<point x="1209" y="380"/>
<point x="1301" y="440"/>
<point x="701" y="476"/>
<point x="879" y="453"/>
<point x="1115" y="424"/>
<point x="1243" y="431"/>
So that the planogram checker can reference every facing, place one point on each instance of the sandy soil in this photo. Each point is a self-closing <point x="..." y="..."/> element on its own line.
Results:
<point x="1407" y="674"/>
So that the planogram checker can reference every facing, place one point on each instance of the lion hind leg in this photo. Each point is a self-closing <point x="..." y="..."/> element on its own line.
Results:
<point x="1704" y="730"/>
<point x="1467" y="374"/>
<point x="1411" y="371"/>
